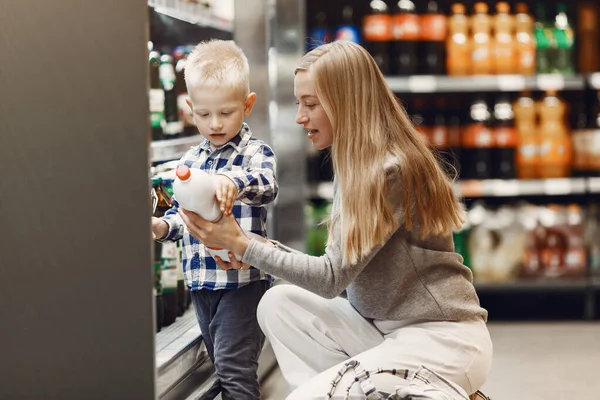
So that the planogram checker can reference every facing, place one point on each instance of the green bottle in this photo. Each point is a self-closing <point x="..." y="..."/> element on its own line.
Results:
<point x="543" y="41"/>
<point x="563" y="34"/>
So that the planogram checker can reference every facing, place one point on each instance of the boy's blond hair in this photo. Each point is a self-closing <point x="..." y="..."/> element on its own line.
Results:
<point x="217" y="64"/>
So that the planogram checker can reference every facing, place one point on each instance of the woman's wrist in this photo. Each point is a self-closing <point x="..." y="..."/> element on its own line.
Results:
<point x="240" y="245"/>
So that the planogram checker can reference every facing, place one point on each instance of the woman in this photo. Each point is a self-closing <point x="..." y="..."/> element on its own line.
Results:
<point x="410" y="300"/>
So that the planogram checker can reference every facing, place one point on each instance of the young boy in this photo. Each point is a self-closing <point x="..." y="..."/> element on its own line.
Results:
<point x="217" y="76"/>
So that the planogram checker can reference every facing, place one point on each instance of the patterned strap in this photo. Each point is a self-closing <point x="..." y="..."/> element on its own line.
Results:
<point x="363" y="377"/>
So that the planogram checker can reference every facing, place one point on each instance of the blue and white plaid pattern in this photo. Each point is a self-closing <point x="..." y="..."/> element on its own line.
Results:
<point x="251" y="164"/>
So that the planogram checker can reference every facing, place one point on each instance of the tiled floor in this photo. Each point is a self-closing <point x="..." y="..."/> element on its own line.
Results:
<point x="532" y="361"/>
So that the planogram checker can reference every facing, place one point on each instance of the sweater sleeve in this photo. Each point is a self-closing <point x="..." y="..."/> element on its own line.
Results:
<point x="326" y="275"/>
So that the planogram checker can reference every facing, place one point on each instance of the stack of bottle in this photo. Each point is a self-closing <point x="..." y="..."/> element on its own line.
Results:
<point x="407" y="37"/>
<point x="170" y="116"/>
<point x="169" y="286"/>
<point x="529" y="241"/>
<point x="525" y="138"/>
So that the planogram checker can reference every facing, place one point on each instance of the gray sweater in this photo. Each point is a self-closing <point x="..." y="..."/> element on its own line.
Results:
<point x="406" y="278"/>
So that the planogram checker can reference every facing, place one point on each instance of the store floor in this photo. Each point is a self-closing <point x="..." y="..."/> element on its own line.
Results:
<point x="532" y="361"/>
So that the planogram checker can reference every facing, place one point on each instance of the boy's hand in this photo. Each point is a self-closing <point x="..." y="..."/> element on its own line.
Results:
<point x="159" y="228"/>
<point x="226" y="193"/>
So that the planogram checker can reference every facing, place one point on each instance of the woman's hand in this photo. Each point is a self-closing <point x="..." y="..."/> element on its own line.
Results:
<point x="224" y="234"/>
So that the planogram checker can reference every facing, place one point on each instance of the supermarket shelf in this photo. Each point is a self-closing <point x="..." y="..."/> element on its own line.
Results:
<point x="594" y="80"/>
<point x="192" y="13"/>
<point x="535" y="284"/>
<point x="483" y="83"/>
<point x="593" y="185"/>
<point x="172" y="149"/>
<point x="515" y="187"/>
<point x="497" y="187"/>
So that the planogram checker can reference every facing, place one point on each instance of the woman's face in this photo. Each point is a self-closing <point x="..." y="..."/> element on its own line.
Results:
<point x="311" y="114"/>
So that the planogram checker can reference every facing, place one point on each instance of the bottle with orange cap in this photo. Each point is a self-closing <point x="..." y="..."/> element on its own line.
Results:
<point x="503" y="46"/>
<point x="528" y="139"/>
<point x="195" y="190"/>
<point x="480" y="44"/>
<point x="457" y="45"/>
<point x="555" y="145"/>
<point x="525" y="41"/>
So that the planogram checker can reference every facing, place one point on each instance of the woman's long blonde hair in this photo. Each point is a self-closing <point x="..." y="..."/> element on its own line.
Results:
<point x="368" y="125"/>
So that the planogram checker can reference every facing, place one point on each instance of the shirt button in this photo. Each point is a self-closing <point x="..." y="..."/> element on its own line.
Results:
<point x="210" y="163"/>
<point x="196" y="255"/>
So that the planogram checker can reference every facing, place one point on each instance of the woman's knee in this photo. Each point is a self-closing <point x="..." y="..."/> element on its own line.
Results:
<point x="274" y="301"/>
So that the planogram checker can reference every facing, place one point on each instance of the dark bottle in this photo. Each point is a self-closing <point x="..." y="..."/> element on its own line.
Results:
<point x="348" y="29"/>
<point x="454" y="121"/>
<point x="593" y="138"/>
<point x="588" y="37"/>
<point x="563" y="34"/>
<point x="477" y="143"/>
<point x="579" y="138"/>
<point x="405" y="35"/>
<point x="320" y="32"/>
<point x="505" y="141"/>
<point x="434" y="32"/>
<point x="377" y="33"/>
<point x="156" y="96"/>
<point x="185" y="113"/>
<point x="173" y="125"/>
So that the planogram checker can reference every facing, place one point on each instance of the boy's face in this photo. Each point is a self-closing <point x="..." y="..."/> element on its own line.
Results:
<point x="219" y="113"/>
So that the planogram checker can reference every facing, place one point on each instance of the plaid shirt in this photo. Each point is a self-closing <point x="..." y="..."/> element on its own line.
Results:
<point x="251" y="164"/>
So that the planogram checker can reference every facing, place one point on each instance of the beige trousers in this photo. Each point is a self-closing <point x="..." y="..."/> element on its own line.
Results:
<point x="312" y="337"/>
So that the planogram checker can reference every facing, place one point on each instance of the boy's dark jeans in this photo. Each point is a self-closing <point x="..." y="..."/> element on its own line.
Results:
<point x="233" y="337"/>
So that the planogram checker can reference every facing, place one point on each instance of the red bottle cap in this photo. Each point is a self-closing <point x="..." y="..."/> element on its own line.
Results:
<point x="183" y="172"/>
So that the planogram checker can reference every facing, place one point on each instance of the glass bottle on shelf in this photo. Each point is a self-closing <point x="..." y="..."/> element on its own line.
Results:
<point x="457" y="46"/>
<point x="481" y="55"/>
<point x="525" y="41"/>
<point x="555" y="145"/>
<point x="505" y="140"/>
<point x="563" y="34"/>
<point x="529" y="142"/>
<point x="320" y="32"/>
<point x="377" y="33"/>
<point x="476" y="162"/>
<point x="348" y="29"/>
<point x="588" y="37"/>
<point x="173" y="126"/>
<point x="433" y="35"/>
<point x="405" y="36"/>
<point x="543" y="40"/>
<point x="157" y="97"/>
<point x="503" y="44"/>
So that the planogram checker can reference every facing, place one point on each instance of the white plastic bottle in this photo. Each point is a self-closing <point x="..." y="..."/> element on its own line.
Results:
<point x="195" y="191"/>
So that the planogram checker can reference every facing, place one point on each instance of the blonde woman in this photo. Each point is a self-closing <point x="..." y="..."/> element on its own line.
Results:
<point x="409" y="301"/>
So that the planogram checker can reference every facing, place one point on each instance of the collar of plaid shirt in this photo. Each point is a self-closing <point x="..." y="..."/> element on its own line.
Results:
<point x="237" y="142"/>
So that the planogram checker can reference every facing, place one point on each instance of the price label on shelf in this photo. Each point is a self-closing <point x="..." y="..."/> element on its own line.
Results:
<point x="422" y="84"/>
<point x="469" y="188"/>
<point x="506" y="188"/>
<point x="511" y="83"/>
<point x="551" y="82"/>
<point x="595" y="80"/>
<point x="558" y="186"/>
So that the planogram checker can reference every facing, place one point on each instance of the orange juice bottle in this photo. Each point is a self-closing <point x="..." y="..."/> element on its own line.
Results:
<point x="555" y="145"/>
<point x="480" y="43"/>
<point x="529" y="142"/>
<point x="525" y="41"/>
<point x="457" y="47"/>
<point x="503" y="46"/>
